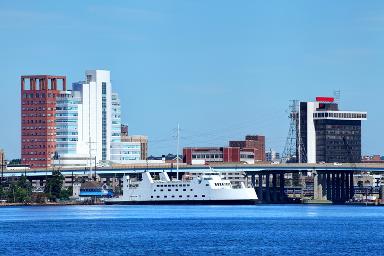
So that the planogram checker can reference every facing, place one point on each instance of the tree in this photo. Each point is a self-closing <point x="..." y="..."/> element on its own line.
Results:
<point x="20" y="191"/>
<point x="54" y="185"/>
<point x="15" y="161"/>
<point x="66" y="193"/>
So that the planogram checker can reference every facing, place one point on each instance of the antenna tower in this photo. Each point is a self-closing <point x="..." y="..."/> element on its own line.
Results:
<point x="290" y="152"/>
<point x="337" y="95"/>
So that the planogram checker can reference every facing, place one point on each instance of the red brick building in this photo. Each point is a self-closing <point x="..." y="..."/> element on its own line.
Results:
<point x="38" y="110"/>
<point x="211" y="154"/>
<point x="252" y="143"/>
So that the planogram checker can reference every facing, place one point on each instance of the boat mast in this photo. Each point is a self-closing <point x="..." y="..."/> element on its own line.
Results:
<point x="177" y="152"/>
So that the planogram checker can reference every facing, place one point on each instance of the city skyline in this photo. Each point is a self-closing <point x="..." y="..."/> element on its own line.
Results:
<point x="218" y="90"/>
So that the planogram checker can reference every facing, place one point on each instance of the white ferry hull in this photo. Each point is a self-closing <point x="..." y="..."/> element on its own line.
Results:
<point x="185" y="202"/>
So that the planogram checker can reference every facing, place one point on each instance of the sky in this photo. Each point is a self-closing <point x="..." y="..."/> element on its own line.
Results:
<point x="221" y="69"/>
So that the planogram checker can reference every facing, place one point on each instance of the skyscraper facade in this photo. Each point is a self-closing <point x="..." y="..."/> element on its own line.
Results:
<point x="96" y="93"/>
<point x="38" y="118"/>
<point x="327" y="134"/>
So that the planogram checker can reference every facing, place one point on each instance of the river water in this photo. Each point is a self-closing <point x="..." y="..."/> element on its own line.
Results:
<point x="192" y="230"/>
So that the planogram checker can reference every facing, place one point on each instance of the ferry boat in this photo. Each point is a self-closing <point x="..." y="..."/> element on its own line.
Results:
<point x="208" y="188"/>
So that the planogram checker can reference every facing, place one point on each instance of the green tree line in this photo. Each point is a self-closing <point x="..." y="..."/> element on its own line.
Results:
<point x="20" y="191"/>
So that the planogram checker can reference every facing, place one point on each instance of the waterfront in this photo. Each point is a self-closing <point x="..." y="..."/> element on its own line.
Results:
<point x="192" y="230"/>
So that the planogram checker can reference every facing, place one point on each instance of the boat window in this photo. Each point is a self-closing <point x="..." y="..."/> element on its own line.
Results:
<point x="173" y="196"/>
<point x="184" y="190"/>
<point x="151" y="196"/>
<point x="176" y="190"/>
<point x="180" y="196"/>
<point x="203" y="195"/>
<point x="165" y="196"/>
<point x="161" y="190"/>
<point x="195" y="195"/>
<point x="154" y="190"/>
<point x="206" y="185"/>
<point x="169" y="189"/>
<point x="158" y="196"/>
<point x="191" y="189"/>
<point x="187" y="195"/>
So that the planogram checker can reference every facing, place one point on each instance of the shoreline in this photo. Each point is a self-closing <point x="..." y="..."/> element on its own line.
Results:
<point x="49" y="204"/>
<point x="102" y="203"/>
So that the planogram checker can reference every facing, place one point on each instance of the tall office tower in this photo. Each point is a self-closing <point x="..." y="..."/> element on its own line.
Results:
<point x="96" y="93"/>
<point x="38" y="126"/>
<point x="326" y="134"/>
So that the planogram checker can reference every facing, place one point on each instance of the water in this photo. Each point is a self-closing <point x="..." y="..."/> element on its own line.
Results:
<point x="192" y="230"/>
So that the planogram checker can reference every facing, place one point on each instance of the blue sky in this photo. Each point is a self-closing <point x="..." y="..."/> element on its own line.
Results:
<point x="222" y="69"/>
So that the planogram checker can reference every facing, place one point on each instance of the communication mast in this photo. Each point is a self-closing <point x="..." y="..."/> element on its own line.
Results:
<point x="337" y="95"/>
<point x="294" y="150"/>
<point x="290" y="149"/>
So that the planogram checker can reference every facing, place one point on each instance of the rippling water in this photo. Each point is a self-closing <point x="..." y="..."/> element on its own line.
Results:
<point x="192" y="230"/>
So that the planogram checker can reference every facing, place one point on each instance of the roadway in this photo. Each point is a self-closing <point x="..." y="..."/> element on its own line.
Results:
<point x="256" y="168"/>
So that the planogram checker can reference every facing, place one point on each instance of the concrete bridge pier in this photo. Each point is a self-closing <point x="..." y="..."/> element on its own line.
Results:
<point x="282" y="185"/>
<point x="347" y="186"/>
<point x="320" y="186"/>
<point x="336" y="186"/>
<point x="342" y="186"/>
<point x="253" y="181"/>
<point x="329" y="189"/>
<point x="324" y="186"/>
<point x="267" y="189"/>
<point x="351" y="185"/>
<point x="274" y="188"/>
<point x="260" y="189"/>
<point x="333" y="187"/>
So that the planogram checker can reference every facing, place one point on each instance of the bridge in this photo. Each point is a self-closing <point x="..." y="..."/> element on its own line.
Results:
<point x="332" y="182"/>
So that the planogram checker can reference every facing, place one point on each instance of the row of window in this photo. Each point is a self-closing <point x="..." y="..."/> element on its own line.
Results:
<point x="174" y="185"/>
<point x="180" y="196"/>
<point x="36" y="159"/>
<point x="38" y="128"/>
<point x="38" y="109"/>
<point x="67" y="114"/>
<point x="340" y="115"/>
<point x="221" y="184"/>
<point x="169" y="190"/>
<point x="38" y="95"/>
<point x="203" y="156"/>
<point x="38" y="102"/>
<point x="34" y="140"/>
<point x="33" y="146"/>
<point x="37" y="115"/>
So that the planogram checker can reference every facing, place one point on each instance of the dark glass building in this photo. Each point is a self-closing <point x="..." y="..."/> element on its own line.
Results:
<point x="326" y="134"/>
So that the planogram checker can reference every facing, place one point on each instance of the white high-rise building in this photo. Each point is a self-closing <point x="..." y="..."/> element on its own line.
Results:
<point x="89" y="124"/>
<point x="96" y="113"/>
